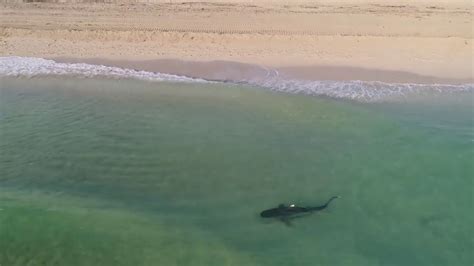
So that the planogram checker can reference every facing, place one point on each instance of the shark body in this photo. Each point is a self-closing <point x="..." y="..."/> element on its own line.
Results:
<point x="286" y="212"/>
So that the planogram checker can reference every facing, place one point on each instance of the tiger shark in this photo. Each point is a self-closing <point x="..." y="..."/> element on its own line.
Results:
<point x="286" y="212"/>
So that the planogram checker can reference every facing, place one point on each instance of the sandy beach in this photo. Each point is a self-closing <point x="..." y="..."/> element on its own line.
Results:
<point x="406" y="41"/>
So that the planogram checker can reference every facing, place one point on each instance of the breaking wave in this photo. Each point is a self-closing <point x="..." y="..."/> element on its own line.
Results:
<point x="364" y="91"/>
<point x="30" y="67"/>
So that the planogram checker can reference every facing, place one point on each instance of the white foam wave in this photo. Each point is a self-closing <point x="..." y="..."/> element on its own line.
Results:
<point x="364" y="91"/>
<point x="31" y="67"/>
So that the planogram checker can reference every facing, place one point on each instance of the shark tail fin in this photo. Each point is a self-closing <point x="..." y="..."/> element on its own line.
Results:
<point x="331" y="199"/>
<point x="323" y="206"/>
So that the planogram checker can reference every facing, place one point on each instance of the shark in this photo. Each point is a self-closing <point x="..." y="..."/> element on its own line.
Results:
<point x="285" y="213"/>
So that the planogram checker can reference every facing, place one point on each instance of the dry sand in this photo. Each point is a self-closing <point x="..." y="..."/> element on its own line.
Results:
<point x="411" y="40"/>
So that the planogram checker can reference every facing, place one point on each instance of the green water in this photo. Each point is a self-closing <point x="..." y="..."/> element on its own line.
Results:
<point x="121" y="172"/>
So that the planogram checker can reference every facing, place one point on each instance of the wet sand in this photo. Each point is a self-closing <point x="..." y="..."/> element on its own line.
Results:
<point x="235" y="71"/>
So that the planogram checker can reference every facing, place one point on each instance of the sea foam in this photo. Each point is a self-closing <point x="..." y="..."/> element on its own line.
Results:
<point x="364" y="91"/>
<point x="31" y="67"/>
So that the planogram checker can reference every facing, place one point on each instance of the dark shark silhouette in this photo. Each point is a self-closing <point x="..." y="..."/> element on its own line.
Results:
<point x="286" y="212"/>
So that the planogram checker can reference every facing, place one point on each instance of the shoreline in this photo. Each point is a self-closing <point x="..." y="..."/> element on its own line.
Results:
<point x="343" y="40"/>
<point x="302" y="80"/>
<point x="235" y="71"/>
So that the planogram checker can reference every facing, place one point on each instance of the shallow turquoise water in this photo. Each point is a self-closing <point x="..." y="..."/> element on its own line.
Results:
<point x="188" y="167"/>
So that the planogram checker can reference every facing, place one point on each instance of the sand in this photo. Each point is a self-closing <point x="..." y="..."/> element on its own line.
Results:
<point x="417" y="40"/>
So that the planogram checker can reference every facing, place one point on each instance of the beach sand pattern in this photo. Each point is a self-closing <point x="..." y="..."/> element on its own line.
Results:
<point x="355" y="33"/>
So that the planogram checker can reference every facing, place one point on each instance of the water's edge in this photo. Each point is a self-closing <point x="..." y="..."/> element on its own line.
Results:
<point x="364" y="91"/>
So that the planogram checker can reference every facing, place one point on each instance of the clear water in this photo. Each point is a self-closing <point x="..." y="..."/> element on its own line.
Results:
<point x="124" y="172"/>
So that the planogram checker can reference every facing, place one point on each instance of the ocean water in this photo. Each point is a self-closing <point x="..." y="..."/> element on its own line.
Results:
<point x="126" y="170"/>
